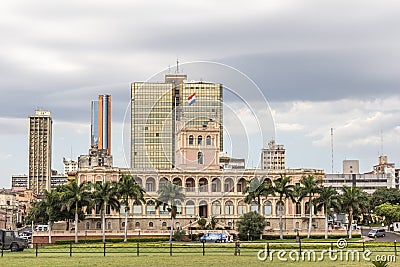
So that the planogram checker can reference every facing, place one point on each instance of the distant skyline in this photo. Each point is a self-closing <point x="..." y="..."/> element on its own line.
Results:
<point x="320" y="64"/>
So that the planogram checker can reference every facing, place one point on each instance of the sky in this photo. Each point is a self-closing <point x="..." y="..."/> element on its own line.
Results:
<point x="318" y="64"/>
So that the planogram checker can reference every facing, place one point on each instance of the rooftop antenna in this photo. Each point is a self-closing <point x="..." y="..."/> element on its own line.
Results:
<point x="177" y="66"/>
<point x="332" y="148"/>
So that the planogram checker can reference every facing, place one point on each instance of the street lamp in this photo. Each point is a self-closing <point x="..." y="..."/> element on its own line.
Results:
<point x="248" y="235"/>
<point x="190" y="229"/>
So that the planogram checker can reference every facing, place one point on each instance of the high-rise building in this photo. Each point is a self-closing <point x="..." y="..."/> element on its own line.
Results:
<point x="273" y="157"/>
<point x="155" y="110"/>
<point x="101" y="123"/>
<point x="40" y="143"/>
<point x="70" y="165"/>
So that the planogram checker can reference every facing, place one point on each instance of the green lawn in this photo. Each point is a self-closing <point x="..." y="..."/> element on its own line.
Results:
<point x="157" y="254"/>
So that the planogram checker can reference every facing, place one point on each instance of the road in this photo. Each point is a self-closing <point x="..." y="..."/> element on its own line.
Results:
<point x="389" y="236"/>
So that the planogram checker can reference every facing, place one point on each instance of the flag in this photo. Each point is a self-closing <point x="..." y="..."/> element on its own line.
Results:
<point x="191" y="99"/>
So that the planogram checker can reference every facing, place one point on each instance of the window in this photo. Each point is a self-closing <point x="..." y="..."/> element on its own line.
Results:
<point x="268" y="224"/>
<point x="150" y="207"/>
<point x="216" y="185"/>
<point x="208" y="140"/>
<point x="242" y="209"/>
<point x="177" y="225"/>
<point x="254" y="206"/>
<point x="109" y="226"/>
<point x="200" y="140"/>
<point x="98" y="225"/>
<point x="150" y="185"/>
<point x="190" y="207"/>
<point x="151" y="224"/>
<point x="297" y="225"/>
<point x="298" y="209"/>
<point x="228" y="207"/>
<point x="164" y="224"/>
<point x="137" y="225"/>
<point x="267" y="207"/>
<point x="200" y="158"/>
<point x="216" y="208"/>
<point x="137" y="208"/>
<point x="123" y="225"/>
<point x="191" y="139"/>
<point x="87" y="226"/>
<point x="228" y="186"/>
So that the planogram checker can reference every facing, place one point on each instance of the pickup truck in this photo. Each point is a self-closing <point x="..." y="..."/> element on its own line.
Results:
<point x="10" y="240"/>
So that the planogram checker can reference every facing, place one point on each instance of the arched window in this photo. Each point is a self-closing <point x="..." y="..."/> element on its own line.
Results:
<point x="98" y="225"/>
<point x="254" y="206"/>
<point x="137" y="225"/>
<point x="297" y="225"/>
<point x="163" y="182"/>
<point x="109" y="225"/>
<point x="177" y="225"/>
<point x="178" y="205"/>
<point x="298" y="208"/>
<point x="242" y="208"/>
<point x="137" y="208"/>
<point x="151" y="224"/>
<point x="164" y="224"/>
<point x="280" y="208"/>
<point x="200" y="158"/>
<point x="189" y="185"/>
<point x="208" y="140"/>
<point x="150" y="185"/>
<point x="200" y="140"/>
<point x="190" y="207"/>
<point x="123" y="225"/>
<point x="87" y="226"/>
<point x="228" y="207"/>
<point x="267" y="207"/>
<point x="216" y="185"/>
<point x="163" y="209"/>
<point x="203" y="185"/>
<point x="138" y="180"/>
<point x="150" y="207"/>
<point x="216" y="208"/>
<point x="177" y="181"/>
<point x="228" y="186"/>
<point x="241" y="185"/>
<point x="191" y="139"/>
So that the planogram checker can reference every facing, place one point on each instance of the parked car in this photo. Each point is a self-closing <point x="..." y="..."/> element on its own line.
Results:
<point x="376" y="233"/>
<point x="10" y="240"/>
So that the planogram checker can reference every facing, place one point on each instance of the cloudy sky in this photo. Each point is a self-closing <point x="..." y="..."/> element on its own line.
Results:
<point x="320" y="64"/>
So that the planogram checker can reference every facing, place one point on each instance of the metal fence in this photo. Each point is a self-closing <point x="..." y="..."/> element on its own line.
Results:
<point x="165" y="248"/>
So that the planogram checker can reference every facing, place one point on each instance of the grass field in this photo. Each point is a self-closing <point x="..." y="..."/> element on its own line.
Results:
<point x="157" y="254"/>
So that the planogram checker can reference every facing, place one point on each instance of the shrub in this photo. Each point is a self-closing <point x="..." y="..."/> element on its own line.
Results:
<point x="179" y="235"/>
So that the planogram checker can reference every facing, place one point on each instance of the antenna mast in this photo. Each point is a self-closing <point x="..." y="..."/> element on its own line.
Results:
<point x="177" y="66"/>
<point x="332" y="147"/>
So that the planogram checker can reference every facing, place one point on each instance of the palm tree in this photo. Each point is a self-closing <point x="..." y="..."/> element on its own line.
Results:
<point x="284" y="190"/>
<point x="129" y="189"/>
<point x="105" y="194"/>
<point x="75" y="197"/>
<point x="352" y="200"/>
<point x="256" y="189"/>
<point x="309" y="188"/>
<point x="327" y="198"/>
<point x="169" y="194"/>
<point x="51" y="204"/>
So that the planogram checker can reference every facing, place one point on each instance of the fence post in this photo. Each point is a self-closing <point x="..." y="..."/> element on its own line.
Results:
<point x="137" y="249"/>
<point x="104" y="248"/>
<point x="203" y="248"/>
<point x="300" y="246"/>
<point x="170" y="248"/>
<point x="363" y="246"/>
<point x="70" y="249"/>
<point x="36" y="249"/>
<point x="395" y="248"/>
<point x="267" y="249"/>
<point x="331" y="246"/>
<point x="2" y="248"/>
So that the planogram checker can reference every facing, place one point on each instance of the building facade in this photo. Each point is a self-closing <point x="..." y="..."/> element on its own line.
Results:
<point x="19" y="182"/>
<point x="70" y="165"/>
<point x="273" y="157"/>
<point x="209" y="193"/>
<point x="156" y="109"/>
<point x="40" y="151"/>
